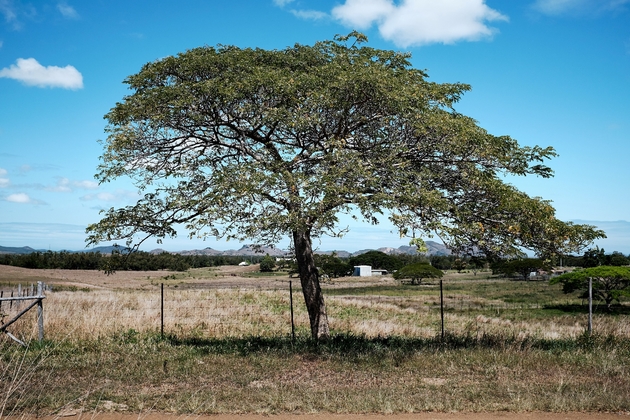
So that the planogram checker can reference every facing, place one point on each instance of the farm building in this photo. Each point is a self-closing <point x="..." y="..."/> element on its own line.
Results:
<point x="362" y="271"/>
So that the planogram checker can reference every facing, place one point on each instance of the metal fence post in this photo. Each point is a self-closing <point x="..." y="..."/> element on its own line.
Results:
<point x="291" y="302"/>
<point x="40" y="311"/>
<point x="590" y="305"/>
<point x="442" y="308"/>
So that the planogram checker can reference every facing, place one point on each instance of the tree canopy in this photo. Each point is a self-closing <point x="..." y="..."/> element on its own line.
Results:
<point x="523" y="266"/>
<point x="609" y="283"/>
<point x="377" y="259"/>
<point x="418" y="271"/>
<point x="261" y="144"/>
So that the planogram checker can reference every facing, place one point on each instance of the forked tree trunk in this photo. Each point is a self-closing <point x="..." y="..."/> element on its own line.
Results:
<point x="309" y="279"/>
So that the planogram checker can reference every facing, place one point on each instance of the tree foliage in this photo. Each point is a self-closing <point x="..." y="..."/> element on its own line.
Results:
<point x="523" y="267"/>
<point x="332" y="266"/>
<point x="377" y="259"/>
<point x="261" y="144"/>
<point x="267" y="264"/>
<point x="136" y="261"/>
<point x="418" y="271"/>
<point x="609" y="283"/>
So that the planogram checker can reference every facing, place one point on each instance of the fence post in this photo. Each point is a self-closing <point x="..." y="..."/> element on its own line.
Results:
<point x="40" y="311"/>
<point x="590" y="305"/>
<point x="442" y="308"/>
<point x="291" y="302"/>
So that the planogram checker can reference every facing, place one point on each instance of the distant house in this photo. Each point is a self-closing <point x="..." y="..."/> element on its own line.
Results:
<point x="378" y="272"/>
<point x="362" y="271"/>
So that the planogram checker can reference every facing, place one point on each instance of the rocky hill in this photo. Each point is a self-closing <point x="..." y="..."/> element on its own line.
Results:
<point x="434" y="248"/>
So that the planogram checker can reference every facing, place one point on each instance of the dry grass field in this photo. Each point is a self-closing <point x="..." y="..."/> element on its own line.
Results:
<point x="234" y="301"/>
<point x="227" y="348"/>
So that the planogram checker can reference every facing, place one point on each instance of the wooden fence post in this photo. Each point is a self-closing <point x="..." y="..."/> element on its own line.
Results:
<point x="36" y="300"/>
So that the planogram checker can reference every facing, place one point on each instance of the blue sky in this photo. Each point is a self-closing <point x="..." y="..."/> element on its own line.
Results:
<point x="546" y="72"/>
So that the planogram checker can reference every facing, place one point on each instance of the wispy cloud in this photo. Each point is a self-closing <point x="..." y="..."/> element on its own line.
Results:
<point x="282" y="3"/>
<point x="421" y="22"/>
<point x="578" y="7"/>
<point x="88" y="185"/>
<point x="66" y="185"/>
<point x="554" y="7"/>
<point x="67" y="11"/>
<point x="8" y="11"/>
<point x="42" y="235"/>
<point x="309" y="14"/>
<point x="103" y="196"/>
<point x="12" y="13"/>
<point x="31" y="73"/>
<point x="4" y="182"/>
<point x="120" y="195"/>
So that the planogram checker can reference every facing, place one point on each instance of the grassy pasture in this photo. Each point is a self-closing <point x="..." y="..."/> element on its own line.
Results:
<point x="509" y="345"/>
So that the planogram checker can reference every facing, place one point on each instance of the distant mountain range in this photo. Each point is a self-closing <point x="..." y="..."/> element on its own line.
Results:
<point x="434" y="248"/>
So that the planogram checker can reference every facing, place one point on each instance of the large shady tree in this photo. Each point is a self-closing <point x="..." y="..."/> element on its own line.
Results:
<point x="256" y="144"/>
<point x="609" y="283"/>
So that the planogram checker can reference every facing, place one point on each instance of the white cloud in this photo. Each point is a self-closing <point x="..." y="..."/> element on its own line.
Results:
<point x="282" y="3"/>
<point x="3" y="172"/>
<point x="361" y="14"/>
<point x="67" y="11"/>
<point x="19" y="198"/>
<point x="31" y="73"/>
<point x="421" y="22"/>
<point x="309" y="14"/>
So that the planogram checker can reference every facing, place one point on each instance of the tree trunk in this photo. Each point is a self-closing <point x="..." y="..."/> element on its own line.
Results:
<point x="309" y="279"/>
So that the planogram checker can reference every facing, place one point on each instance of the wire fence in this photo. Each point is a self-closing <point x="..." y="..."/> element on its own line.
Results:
<point x="176" y="310"/>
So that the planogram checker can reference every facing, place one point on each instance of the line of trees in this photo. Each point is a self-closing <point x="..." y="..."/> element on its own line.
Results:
<point x="331" y="265"/>
<point x="136" y="261"/>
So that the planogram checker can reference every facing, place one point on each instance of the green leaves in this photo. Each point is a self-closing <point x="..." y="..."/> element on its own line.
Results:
<point x="609" y="283"/>
<point x="256" y="144"/>
<point x="418" y="271"/>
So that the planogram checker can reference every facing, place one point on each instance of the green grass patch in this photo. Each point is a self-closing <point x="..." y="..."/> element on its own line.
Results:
<point x="256" y="274"/>
<point x="132" y="371"/>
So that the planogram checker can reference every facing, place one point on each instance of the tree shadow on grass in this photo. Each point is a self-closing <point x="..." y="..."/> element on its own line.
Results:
<point x="583" y="309"/>
<point x="350" y="346"/>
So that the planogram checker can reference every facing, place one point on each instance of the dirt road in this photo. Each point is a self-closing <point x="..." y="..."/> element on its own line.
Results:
<point x="414" y="416"/>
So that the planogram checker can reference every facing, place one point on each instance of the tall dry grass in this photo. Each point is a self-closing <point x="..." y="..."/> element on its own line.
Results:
<point x="228" y="351"/>
<point x="218" y="313"/>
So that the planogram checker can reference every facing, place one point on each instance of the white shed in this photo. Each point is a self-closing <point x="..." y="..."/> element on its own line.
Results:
<point x="362" y="271"/>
